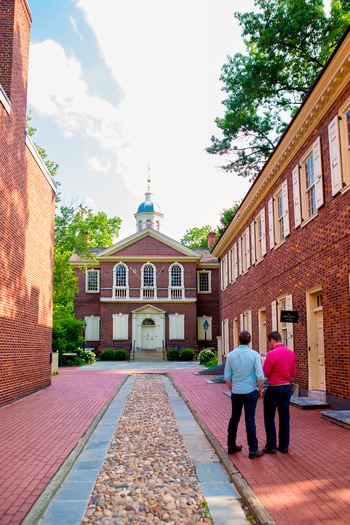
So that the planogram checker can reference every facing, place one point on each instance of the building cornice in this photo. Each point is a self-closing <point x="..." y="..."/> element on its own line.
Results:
<point x="328" y="86"/>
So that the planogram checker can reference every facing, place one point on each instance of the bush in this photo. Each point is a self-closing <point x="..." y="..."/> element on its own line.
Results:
<point x="211" y="363"/>
<point x="173" y="355"/>
<point x="86" y="355"/>
<point x="110" y="354"/>
<point x="205" y="356"/>
<point x="187" y="354"/>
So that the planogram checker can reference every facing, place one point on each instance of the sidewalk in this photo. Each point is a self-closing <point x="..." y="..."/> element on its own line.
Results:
<point x="310" y="485"/>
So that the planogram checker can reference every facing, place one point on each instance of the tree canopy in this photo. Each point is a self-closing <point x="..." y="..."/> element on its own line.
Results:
<point x="287" y="44"/>
<point x="196" y="237"/>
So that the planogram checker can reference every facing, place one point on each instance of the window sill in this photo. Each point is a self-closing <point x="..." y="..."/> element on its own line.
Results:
<point x="304" y="223"/>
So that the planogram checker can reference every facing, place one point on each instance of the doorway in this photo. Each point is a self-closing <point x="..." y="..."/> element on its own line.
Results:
<point x="317" y="365"/>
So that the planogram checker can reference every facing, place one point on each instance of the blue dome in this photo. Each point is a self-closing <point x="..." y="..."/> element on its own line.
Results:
<point x="148" y="206"/>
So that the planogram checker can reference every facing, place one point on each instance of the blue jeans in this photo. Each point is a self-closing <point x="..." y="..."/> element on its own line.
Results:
<point x="277" y="397"/>
<point x="249" y="402"/>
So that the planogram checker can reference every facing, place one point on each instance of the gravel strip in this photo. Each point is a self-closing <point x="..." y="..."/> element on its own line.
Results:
<point x="148" y="476"/>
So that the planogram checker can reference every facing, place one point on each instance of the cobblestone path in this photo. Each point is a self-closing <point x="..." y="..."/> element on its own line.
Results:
<point x="148" y="476"/>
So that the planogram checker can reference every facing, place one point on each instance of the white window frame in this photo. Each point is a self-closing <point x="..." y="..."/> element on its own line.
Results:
<point x="283" y="302"/>
<point x="92" y="328"/>
<point x="245" y="321"/>
<point x="176" y="326"/>
<point x="149" y="292"/>
<point x="259" y="241"/>
<point x="120" y="327"/>
<point x="121" y="292"/>
<point x="225" y="342"/>
<point x="339" y="149"/>
<point x="277" y="234"/>
<point x="208" y="273"/>
<point x="97" y="272"/>
<point x="176" y="291"/>
<point x="300" y="191"/>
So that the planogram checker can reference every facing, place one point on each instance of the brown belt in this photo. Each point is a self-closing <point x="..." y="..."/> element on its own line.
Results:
<point x="281" y="384"/>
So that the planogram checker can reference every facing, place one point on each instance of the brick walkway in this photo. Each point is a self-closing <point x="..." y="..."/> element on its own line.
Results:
<point x="310" y="485"/>
<point x="38" y="432"/>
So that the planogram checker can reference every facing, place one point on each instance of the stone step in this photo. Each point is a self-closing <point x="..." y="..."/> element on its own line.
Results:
<point x="339" y="417"/>
<point x="308" y="403"/>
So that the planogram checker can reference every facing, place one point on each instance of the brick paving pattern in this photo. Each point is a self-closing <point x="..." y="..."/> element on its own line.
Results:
<point x="38" y="432"/>
<point x="310" y="485"/>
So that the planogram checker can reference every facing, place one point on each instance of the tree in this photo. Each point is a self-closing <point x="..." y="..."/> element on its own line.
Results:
<point x="52" y="167"/>
<point x="77" y="230"/>
<point x="288" y="42"/>
<point x="196" y="237"/>
<point x="226" y="217"/>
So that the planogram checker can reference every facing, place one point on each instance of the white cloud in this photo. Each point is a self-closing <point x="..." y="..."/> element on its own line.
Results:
<point x="99" y="164"/>
<point x="57" y="89"/>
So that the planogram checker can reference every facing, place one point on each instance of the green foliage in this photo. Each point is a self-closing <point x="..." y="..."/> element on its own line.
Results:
<point x="88" y="356"/>
<point x="196" y="237"/>
<point x="173" y="355"/>
<point x="226" y="217"/>
<point x="110" y="354"/>
<point x="67" y="332"/>
<point x="52" y="167"/>
<point x="211" y="362"/>
<point x="187" y="354"/>
<point x="205" y="356"/>
<point x="287" y="44"/>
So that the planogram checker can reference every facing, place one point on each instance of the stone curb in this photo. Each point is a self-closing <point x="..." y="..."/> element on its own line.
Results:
<point x="247" y="494"/>
<point x="37" y="511"/>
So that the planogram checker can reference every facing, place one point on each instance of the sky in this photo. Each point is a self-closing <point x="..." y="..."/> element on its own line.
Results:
<point x="119" y="90"/>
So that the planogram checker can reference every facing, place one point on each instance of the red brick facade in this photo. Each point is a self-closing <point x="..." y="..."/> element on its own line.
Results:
<point x="306" y="269"/>
<point x="149" y="247"/>
<point x="27" y="199"/>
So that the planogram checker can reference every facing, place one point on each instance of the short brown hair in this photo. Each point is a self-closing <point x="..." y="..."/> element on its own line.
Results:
<point x="276" y="336"/>
<point x="244" y="337"/>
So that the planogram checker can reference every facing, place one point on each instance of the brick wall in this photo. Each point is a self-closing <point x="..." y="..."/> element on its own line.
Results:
<point x="26" y="230"/>
<point x="315" y="255"/>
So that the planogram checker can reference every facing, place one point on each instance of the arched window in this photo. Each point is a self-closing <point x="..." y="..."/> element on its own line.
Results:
<point x="176" y="275"/>
<point x="148" y="275"/>
<point x="176" y="282"/>
<point x="148" y="282"/>
<point x="120" y="281"/>
<point x="120" y="275"/>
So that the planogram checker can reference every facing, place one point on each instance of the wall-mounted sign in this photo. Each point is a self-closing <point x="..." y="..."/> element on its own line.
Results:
<point x="289" y="316"/>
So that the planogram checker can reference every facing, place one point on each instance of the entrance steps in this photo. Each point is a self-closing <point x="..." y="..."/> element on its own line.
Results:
<point x="147" y="355"/>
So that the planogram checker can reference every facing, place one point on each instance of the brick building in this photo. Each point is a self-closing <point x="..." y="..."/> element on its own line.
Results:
<point x="288" y="247"/>
<point x="27" y="200"/>
<point x="148" y="292"/>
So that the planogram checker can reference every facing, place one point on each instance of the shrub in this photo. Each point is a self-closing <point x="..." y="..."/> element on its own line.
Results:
<point x="87" y="355"/>
<point x="173" y="355"/>
<point x="110" y="354"/>
<point x="187" y="354"/>
<point x="211" y="363"/>
<point x="205" y="356"/>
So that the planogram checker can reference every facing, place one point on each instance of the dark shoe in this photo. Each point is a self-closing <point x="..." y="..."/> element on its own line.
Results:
<point x="233" y="450"/>
<point x="269" y="450"/>
<point x="257" y="454"/>
<point x="283" y="450"/>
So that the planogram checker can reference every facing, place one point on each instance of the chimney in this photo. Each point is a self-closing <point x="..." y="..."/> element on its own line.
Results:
<point x="211" y="239"/>
<point x="15" y="22"/>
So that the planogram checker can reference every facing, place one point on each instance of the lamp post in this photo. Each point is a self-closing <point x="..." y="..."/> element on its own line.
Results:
<point x="205" y="326"/>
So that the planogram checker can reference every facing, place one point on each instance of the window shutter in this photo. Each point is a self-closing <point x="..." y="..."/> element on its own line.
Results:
<point x="177" y="326"/>
<point x="334" y="153"/>
<point x="271" y="230"/>
<point x="289" y="306"/>
<point x="229" y="257"/>
<point x="235" y="261"/>
<point x="274" y="315"/>
<point x="249" y="313"/>
<point x="241" y="322"/>
<point x="247" y="241"/>
<point x="263" y="238"/>
<point x="221" y="276"/>
<point x="120" y="326"/>
<point x="92" y="330"/>
<point x="296" y="196"/>
<point x="252" y="237"/>
<point x="286" y="227"/>
<point x="316" y="149"/>
<point x="239" y="257"/>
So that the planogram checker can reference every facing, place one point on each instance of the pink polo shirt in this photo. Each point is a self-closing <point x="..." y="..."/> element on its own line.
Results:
<point x="280" y="365"/>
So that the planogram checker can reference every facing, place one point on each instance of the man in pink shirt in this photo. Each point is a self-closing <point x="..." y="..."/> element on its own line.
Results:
<point x="279" y="369"/>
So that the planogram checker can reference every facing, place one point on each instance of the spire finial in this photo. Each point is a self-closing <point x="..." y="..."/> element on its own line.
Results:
<point x="149" y="176"/>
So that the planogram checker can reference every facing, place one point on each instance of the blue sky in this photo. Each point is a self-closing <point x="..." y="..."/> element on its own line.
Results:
<point x="115" y="86"/>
